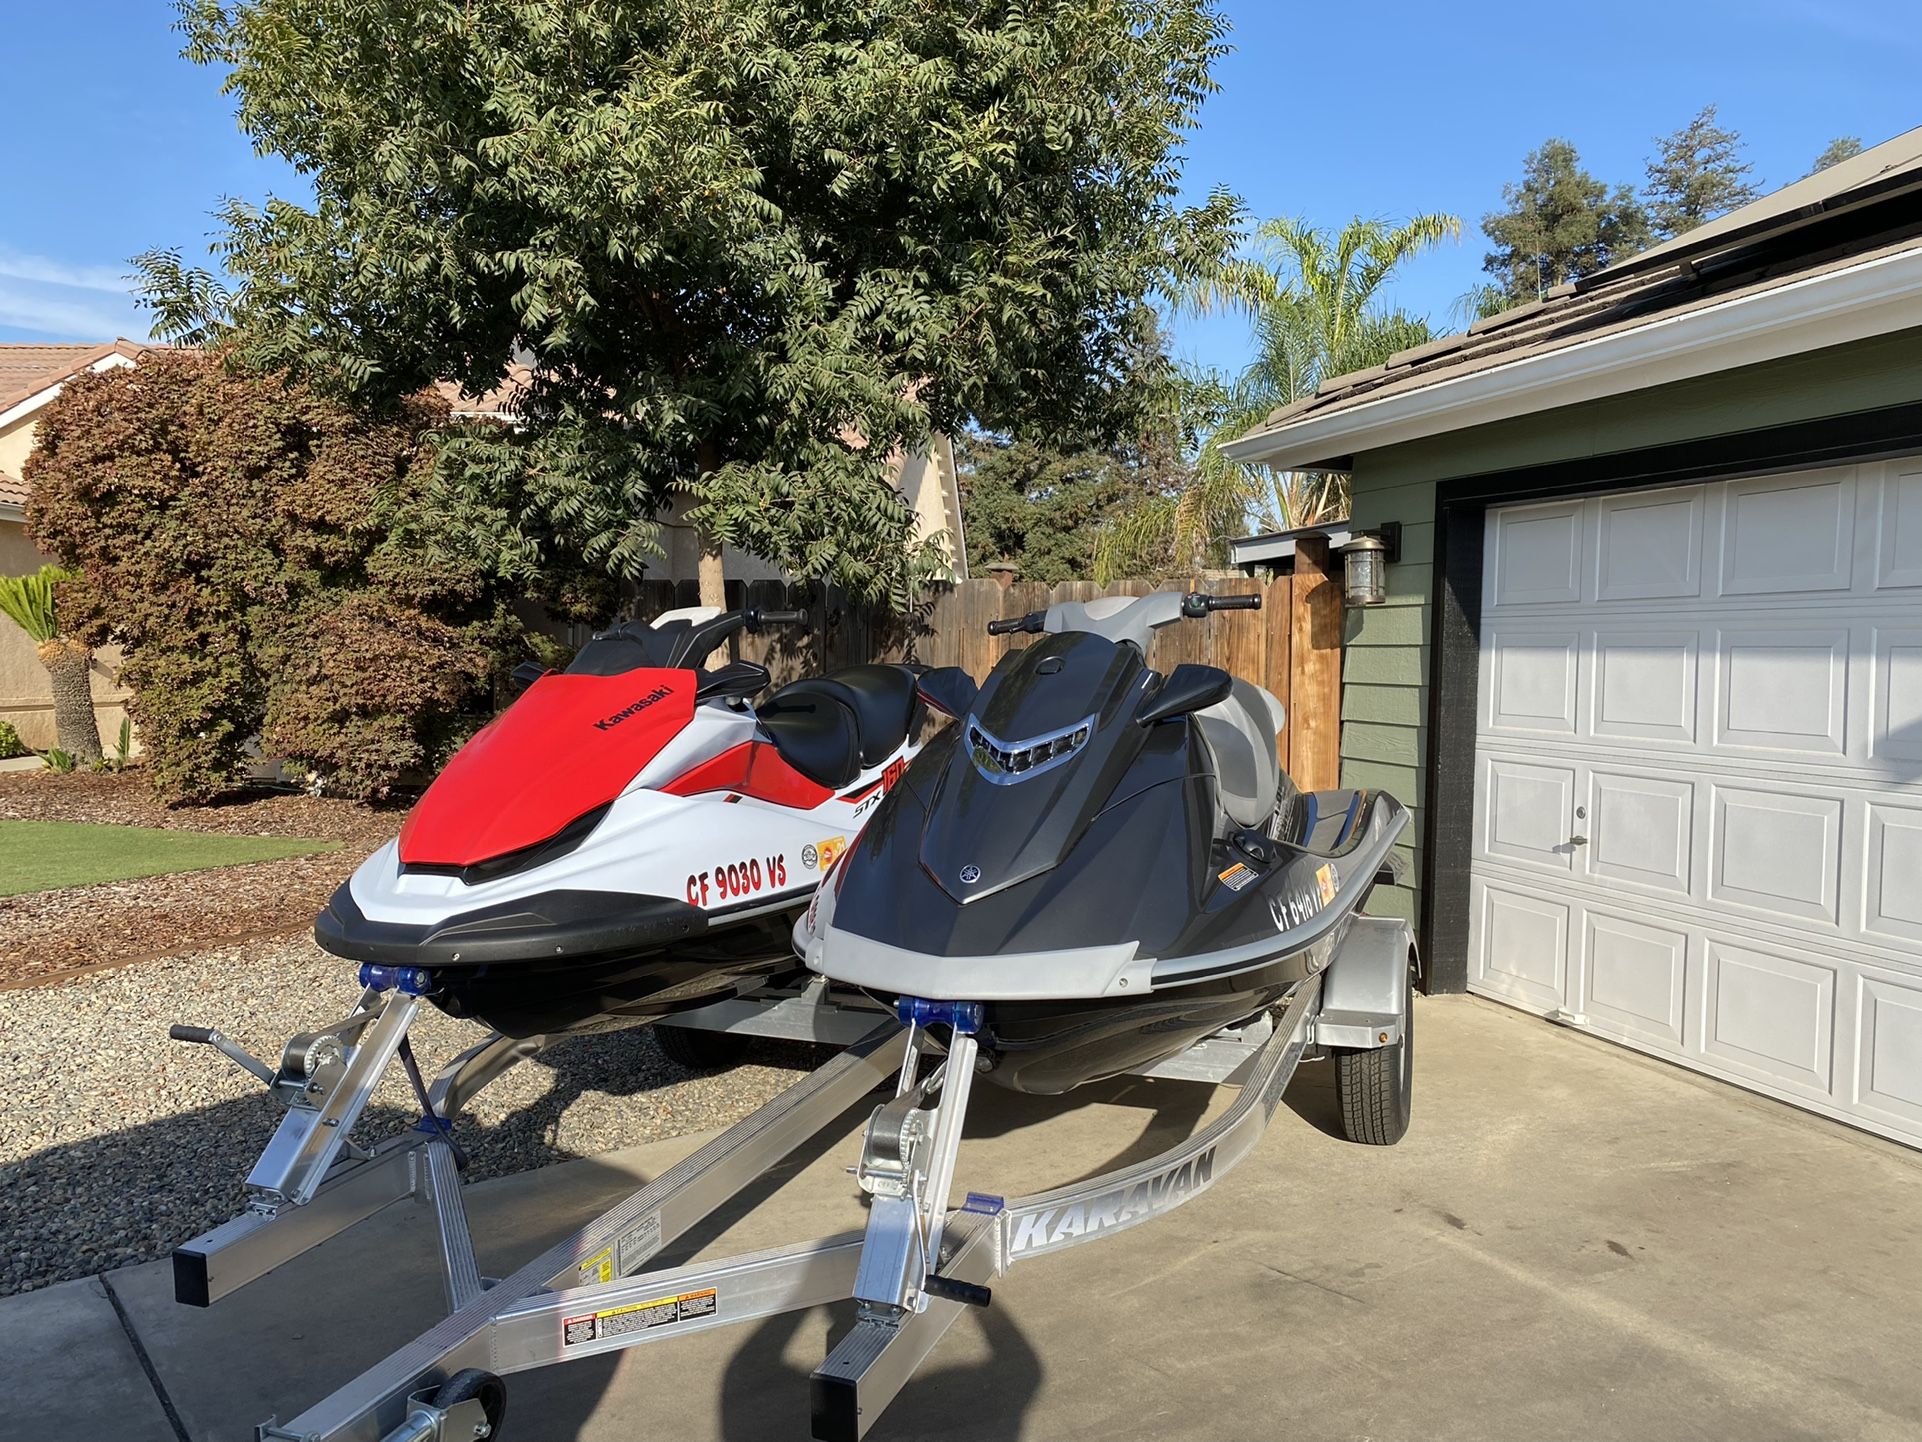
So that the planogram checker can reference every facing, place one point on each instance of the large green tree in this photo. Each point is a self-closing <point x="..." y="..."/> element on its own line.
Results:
<point x="1039" y="508"/>
<point x="1314" y="297"/>
<point x="751" y="248"/>
<point x="1696" y="174"/>
<point x="1560" y="223"/>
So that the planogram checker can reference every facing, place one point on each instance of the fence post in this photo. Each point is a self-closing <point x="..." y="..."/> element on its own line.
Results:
<point x="1314" y="645"/>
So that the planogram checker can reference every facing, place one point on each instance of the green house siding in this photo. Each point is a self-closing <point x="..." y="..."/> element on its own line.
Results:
<point x="1385" y="673"/>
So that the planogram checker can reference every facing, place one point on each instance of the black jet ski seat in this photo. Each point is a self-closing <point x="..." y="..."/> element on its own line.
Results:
<point x="829" y="727"/>
<point x="1240" y="731"/>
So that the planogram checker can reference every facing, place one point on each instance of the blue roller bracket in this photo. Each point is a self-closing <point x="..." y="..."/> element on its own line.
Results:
<point x="414" y="980"/>
<point x="963" y="1016"/>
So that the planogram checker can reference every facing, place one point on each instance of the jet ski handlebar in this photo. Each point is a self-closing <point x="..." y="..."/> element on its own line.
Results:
<point x="1033" y="621"/>
<point x="1125" y="618"/>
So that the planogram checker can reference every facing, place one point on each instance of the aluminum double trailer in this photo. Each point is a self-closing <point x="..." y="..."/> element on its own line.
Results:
<point x="917" y="1263"/>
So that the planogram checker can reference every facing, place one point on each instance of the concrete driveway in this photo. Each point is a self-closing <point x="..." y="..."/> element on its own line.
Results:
<point x="1572" y="1242"/>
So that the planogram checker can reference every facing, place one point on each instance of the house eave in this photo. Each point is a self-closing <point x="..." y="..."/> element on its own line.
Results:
<point x="1877" y="297"/>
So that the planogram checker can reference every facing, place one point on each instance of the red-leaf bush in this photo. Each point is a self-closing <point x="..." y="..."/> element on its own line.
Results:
<point x="275" y="564"/>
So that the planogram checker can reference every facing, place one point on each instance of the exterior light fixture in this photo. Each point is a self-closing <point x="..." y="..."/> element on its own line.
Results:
<point x="1364" y="565"/>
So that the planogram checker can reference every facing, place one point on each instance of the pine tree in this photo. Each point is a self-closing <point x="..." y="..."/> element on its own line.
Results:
<point x="1696" y="175"/>
<point x="1844" y="147"/>
<point x="1561" y="224"/>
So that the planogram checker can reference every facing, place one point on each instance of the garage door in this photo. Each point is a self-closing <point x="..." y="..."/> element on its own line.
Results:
<point x="1698" y="816"/>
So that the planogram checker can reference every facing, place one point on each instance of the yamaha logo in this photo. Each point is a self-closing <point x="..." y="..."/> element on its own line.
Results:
<point x="970" y="875"/>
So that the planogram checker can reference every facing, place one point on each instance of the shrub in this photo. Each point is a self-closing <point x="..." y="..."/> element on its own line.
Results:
<point x="276" y="564"/>
<point x="11" y="746"/>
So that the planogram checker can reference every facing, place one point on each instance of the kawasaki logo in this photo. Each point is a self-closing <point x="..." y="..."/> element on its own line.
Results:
<point x="659" y="693"/>
<point x="1051" y="1227"/>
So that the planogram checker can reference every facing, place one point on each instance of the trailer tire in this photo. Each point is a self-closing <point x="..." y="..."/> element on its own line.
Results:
<point x="701" y="1050"/>
<point x="1374" y="1086"/>
<point x="483" y="1387"/>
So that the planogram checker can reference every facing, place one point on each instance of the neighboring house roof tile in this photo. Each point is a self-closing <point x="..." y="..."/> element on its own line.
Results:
<point x="13" y="491"/>
<point x="1762" y="246"/>
<point x="26" y="370"/>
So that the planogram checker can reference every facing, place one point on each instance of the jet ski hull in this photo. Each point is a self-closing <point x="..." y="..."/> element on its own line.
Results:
<point x="1045" y="1048"/>
<point x="564" y="962"/>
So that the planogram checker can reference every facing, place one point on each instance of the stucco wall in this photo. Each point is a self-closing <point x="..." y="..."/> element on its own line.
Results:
<point x="15" y="441"/>
<point x="1385" y="674"/>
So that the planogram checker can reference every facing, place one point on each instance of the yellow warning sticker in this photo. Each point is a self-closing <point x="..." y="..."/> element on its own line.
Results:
<point x="639" y="1317"/>
<point x="1325" y="883"/>
<point x="597" y="1268"/>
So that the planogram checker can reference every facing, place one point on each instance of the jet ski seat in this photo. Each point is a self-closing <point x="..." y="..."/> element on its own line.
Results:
<point x="1240" y="731"/>
<point x="829" y="727"/>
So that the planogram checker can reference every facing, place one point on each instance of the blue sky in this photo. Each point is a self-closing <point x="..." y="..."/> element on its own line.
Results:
<point x="1447" y="100"/>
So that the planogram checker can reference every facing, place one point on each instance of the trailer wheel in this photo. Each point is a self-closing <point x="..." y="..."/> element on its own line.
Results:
<point x="701" y="1050"/>
<point x="1375" y="1085"/>
<point x="483" y="1387"/>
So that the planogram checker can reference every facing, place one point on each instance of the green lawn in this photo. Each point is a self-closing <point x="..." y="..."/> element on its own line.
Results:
<point x="49" y="855"/>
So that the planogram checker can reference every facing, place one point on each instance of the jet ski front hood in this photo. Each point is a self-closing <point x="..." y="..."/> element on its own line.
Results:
<point x="570" y="744"/>
<point x="1046" y="747"/>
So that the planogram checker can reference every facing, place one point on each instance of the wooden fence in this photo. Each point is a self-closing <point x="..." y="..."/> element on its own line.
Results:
<point x="1292" y="645"/>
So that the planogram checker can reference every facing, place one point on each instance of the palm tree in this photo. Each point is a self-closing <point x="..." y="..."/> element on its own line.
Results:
<point x="1311" y="294"/>
<point x="28" y="602"/>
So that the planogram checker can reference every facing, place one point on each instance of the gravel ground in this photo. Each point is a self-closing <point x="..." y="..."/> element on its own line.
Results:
<point x="117" y="1144"/>
<point x="48" y="933"/>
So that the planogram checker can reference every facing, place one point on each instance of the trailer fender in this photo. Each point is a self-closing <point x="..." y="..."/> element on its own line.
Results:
<point x="1364" y="989"/>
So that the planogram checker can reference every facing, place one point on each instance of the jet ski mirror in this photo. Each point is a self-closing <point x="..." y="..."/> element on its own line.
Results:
<point x="1188" y="688"/>
<point x="948" y="689"/>
<point x="736" y="680"/>
<point x="525" y="675"/>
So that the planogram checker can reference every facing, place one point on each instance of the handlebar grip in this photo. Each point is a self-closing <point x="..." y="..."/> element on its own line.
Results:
<point x="779" y="618"/>
<point x="1007" y="627"/>
<point x="202" y="1034"/>
<point x="1234" y="603"/>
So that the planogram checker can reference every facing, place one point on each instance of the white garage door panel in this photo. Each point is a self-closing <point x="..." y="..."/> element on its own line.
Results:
<point x="1776" y="852"/>
<point x="1635" y="976"/>
<point x="1889" y="1070"/>
<point x="1698" y="790"/>
<point x="1899" y="555"/>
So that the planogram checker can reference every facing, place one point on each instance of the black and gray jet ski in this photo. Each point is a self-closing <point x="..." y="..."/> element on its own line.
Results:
<point x="1111" y="863"/>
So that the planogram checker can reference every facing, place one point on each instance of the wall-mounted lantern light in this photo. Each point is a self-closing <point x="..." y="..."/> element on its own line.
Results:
<point x="1364" y="565"/>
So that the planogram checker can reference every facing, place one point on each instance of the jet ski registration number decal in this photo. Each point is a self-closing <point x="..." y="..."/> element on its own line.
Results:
<point x="737" y="879"/>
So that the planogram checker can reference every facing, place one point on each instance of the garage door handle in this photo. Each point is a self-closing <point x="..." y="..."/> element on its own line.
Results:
<point x="1578" y="841"/>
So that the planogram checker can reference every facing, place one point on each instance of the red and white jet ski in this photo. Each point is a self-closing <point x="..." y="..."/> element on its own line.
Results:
<point x="630" y="838"/>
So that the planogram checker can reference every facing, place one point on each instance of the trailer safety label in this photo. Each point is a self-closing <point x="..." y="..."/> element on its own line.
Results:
<point x="638" y="1317"/>
<point x="597" y="1268"/>
<point x="1049" y="1227"/>
<point x="638" y="1243"/>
